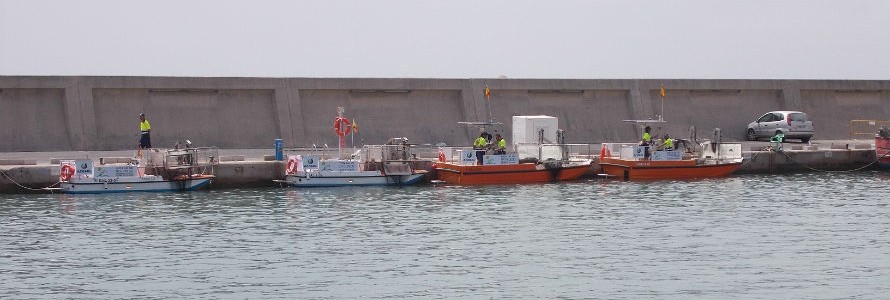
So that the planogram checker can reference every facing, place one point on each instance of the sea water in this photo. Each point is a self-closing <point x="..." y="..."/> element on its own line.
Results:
<point x="796" y="236"/>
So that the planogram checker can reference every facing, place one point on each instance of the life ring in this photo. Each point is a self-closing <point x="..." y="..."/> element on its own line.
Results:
<point x="66" y="172"/>
<point x="338" y="129"/>
<point x="441" y="155"/>
<point x="291" y="166"/>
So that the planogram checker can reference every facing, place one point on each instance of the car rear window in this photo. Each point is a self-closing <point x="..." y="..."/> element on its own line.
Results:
<point x="799" y="117"/>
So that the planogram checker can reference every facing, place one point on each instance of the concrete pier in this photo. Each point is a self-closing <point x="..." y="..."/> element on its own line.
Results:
<point x="21" y="175"/>
<point x="77" y="114"/>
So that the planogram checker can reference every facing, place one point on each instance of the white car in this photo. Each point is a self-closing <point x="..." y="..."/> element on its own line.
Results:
<point x="792" y="124"/>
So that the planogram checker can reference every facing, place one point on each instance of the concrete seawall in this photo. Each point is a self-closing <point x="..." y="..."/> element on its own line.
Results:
<point x="65" y="113"/>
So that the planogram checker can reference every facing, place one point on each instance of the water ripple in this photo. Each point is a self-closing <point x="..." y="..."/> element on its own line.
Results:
<point x="800" y="236"/>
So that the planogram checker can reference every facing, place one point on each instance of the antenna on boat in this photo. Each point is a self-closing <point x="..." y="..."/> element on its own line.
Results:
<point x="490" y="122"/>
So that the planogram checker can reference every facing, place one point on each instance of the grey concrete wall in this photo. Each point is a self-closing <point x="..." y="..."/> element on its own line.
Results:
<point x="53" y="113"/>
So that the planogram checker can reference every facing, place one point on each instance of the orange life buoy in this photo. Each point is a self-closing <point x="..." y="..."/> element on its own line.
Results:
<point x="441" y="155"/>
<point x="66" y="172"/>
<point x="291" y="166"/>
<point x="338" y="129"/>
<point x="604" y="151"/>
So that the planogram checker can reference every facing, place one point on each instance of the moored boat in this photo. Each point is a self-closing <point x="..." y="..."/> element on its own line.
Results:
<point x="161" y="170"/>
<point x="315" y="170"/>
<point x="372" y="165"/>
<point x="705" y="161"/>
<point x="540" y="162"/>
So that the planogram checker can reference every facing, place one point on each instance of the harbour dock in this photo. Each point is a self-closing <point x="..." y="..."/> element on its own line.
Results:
<point x="28" y="172"/>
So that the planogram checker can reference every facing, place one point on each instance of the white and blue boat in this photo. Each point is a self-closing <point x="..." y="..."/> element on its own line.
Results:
<point x="161" y="171"/>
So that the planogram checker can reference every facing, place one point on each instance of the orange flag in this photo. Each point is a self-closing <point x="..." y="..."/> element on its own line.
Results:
<point x="487" y="93"/>
<point x="662" y="90"/>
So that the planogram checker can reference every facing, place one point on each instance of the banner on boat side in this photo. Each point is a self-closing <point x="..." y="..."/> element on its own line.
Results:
<point x="339" y="165"/>
<point x="640" y="151"/>
<point x="84" y="167"/>
<point x="468" y="156"/>
<point x="503" y="159"/>
<point x="310" y="162"/>
<point x="115" y="171"/>
<point x="667" y="155"/>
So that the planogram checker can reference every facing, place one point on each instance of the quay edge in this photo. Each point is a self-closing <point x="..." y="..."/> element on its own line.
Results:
<point x="849" y="157"/>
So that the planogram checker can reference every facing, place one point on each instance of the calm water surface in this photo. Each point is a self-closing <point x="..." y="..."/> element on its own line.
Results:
<point x="805" y="236"/>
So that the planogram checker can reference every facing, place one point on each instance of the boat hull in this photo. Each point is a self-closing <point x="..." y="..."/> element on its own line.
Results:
<point x="353" y="180"/>
<point x="882" y="151"/>
<point x="669" y="169"/>
<point x="507" y="174"/>
<point x="135" y="186"/>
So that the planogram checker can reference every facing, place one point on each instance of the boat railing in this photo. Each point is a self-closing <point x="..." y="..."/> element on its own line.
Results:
<point x="170" y="163"/>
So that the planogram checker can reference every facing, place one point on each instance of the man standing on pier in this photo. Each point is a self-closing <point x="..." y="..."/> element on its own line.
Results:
<point x="144" y="137"/>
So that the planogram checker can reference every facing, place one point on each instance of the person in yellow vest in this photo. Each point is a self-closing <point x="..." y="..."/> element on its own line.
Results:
<point x="501" y="145"/>
<point x="647" y="139"/>
<point x="144" y="136"/>
<point x="479" y="144"/>
<point x="668" y="142"/>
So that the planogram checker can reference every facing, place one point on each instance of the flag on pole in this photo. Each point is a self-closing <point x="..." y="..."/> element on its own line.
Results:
<point x="354" y="126"/>
<point x="662" y="90"/>
<point x="487" y="93"/>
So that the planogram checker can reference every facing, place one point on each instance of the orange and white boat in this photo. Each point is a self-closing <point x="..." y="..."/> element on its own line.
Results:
<point x="705" y="161"/>
<point x="541" y="161"/>
<point x="470" y="174"/>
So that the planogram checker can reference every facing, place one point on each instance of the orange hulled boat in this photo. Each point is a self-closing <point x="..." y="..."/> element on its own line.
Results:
<point x="469" y="174"/>
<point x="538" y="154"/>
<point x="707" y="160"/>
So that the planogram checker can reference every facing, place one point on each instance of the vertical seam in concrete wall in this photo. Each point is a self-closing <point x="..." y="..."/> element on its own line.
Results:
<point x="298" y="128"/>
<point x="283" y="111"/>
<point x="791" y="95"/>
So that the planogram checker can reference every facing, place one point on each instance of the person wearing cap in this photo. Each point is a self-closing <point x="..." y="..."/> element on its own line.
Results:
<point x="144" y="136"/>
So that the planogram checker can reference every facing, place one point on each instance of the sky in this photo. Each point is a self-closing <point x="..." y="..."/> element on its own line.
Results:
<point x="551" y="39"/>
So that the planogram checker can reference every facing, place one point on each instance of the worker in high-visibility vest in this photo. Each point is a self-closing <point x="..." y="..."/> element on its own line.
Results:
<point x="144" y="129"/>
<point x="501" y="145"/>
<point x="479" y="144"/>
<point x="647" y="140"/>
<point x="668" y="142"/>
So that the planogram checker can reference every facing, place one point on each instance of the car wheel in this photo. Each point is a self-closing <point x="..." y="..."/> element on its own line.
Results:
<point x="805" y="140"/>
<point x="751" y="135"/>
